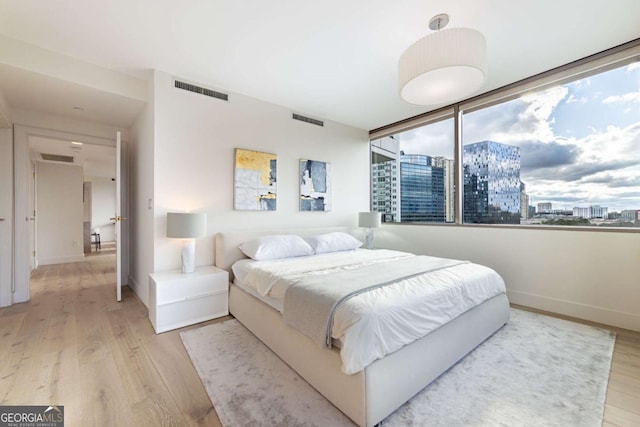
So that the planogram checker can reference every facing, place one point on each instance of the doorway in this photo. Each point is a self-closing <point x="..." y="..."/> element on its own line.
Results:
<point x="55" y="153"/>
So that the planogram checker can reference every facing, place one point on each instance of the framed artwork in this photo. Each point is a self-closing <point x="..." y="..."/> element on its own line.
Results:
<point x="315" y="186"/>
<point x="255" y="184"/>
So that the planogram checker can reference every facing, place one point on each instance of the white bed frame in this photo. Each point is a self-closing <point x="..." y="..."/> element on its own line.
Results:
<point x="368" y="396"/>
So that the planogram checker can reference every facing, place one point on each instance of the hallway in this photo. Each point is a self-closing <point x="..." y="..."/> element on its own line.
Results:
<point x="74" y="345"/>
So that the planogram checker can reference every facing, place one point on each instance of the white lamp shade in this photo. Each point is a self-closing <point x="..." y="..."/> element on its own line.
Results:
<point x="443" y="67"/>
<point x="369" y="219"/>
<point x="184" y="225"/>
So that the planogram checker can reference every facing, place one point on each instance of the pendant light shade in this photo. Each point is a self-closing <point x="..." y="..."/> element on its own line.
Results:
<point x="443" y="66"/>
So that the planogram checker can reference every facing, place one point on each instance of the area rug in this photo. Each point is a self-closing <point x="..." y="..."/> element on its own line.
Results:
<point x="535" y="371"/>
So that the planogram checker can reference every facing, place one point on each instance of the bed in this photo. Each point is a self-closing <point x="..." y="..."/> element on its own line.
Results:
<point x="371" y="394"/>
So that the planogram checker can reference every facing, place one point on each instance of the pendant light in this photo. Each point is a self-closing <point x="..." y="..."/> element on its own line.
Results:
<point x="443" y="66"/>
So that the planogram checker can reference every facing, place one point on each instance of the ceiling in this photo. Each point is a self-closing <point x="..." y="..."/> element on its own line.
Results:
<point x="334" y="60"/>
<point x="95" y="160"/>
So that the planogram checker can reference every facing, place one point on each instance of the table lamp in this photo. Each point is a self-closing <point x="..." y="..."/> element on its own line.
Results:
<point x="369" y="220"/>
<point x="187" y="226"/>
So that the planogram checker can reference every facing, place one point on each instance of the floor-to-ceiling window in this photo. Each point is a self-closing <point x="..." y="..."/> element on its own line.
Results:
<point x="558" y="149"/>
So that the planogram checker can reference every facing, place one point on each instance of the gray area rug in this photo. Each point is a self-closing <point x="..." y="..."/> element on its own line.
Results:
<point x="535" y="371"/>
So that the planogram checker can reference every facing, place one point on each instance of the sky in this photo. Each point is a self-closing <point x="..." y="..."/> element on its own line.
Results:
<point x="579" y="142"/>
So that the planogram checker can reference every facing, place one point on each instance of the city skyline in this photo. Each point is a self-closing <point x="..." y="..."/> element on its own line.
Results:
<point x="419" y="188"/>
<point x="579" y="141"/>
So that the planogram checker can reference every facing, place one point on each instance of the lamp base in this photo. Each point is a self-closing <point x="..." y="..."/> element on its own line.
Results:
<point x="368" y="238"/>
<point x="188" y="256"/>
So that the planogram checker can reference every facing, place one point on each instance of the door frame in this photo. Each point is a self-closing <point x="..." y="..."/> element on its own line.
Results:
<point x="21" y="160"/>
<point x="122" y="215"/>
<point x="6" y="216"/>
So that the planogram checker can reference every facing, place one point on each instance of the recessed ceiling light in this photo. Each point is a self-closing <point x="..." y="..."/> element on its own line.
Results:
<point x="77" y="143"/>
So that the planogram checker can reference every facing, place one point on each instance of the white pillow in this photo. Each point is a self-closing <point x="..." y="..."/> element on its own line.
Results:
<point x="333" y="242"/>
<point x="274" y="247"/>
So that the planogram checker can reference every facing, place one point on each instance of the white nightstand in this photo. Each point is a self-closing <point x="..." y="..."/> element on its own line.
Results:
<point x="177" y="299"/>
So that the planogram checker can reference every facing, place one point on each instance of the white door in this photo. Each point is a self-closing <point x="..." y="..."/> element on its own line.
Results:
<point x="121" y="226"/>
<point x="6" y="216"/>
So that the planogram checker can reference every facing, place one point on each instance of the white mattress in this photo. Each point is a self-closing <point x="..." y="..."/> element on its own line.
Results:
<point x="376" y="323"/>
<point x="272" y="302"/>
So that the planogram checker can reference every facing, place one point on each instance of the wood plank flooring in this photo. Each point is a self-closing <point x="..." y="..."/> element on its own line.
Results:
<point x="74" y="345"/>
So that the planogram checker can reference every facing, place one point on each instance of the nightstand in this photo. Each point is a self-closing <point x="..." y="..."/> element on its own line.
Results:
<point x="177" y="299"/>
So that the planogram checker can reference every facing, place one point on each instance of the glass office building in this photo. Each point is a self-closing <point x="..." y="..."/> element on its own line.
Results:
<point x="422" y="189"/>
<point x="491" y="174"/>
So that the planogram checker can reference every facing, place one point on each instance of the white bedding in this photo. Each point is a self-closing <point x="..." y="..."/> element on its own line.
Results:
<point x="376" y="323"/>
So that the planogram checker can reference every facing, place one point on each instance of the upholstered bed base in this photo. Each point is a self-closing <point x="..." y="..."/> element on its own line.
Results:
<point x="370" y="395"/>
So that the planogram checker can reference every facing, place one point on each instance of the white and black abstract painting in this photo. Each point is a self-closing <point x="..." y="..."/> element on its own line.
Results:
<point x="315" y="186"/>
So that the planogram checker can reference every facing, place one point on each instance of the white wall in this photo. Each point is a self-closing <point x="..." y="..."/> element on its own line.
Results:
<point x="5" y="113"/>
<point x="141" y="222"/>
<point x="59" y="213"/>
<point x="591" y="275"/>
<point x="194" y="138"/>
<point x="103" y="206"/>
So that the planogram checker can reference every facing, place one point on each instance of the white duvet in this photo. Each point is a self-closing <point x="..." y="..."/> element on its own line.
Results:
<point x="378" y="322"/>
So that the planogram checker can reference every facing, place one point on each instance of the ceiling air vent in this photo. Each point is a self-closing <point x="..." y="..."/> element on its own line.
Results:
<point x="308" y="120"/>
<point x="57" y="158"/>
<point x="201" y="90"/>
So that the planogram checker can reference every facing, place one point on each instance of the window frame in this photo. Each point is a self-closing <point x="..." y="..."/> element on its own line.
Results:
<point x="609" y="59"/>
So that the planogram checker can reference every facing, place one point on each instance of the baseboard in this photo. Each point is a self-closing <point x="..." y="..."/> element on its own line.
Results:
<point x="581" y="311"/>
<point x="135" y="287"/>
<point x="61" y="260"/>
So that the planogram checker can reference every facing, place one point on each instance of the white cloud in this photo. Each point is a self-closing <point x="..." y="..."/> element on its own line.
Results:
<point x="435" y="140"/>
<point x="633" y="66"/>
<point x="528" y="118"/>
<point x="633" y="97"/>
<point x="572" y="98"/>
<point x="535" y="120"/>
<point x="605" y="170"/>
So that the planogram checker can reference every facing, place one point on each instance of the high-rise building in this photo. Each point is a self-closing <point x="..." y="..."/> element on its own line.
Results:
<point x="544" y="208"/>
<point x="449" y="187"/>
<point x="422" y="190"/>
<point x="599" y="212"/>
<point x="591" y="212"/>
<point x="491" y="183"/>
<point x="385" y="178"/>
<point x="630" y="214"/>
<point x="524" y="201"/>
<point x="410" y="187"/>
<point x="581" y="212"/>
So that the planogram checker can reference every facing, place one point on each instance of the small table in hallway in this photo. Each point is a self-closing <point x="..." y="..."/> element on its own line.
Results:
<point x="95" y="237"/>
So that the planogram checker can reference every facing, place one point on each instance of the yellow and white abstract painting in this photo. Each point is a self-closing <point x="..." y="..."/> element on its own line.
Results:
<point x="255" y="183"/>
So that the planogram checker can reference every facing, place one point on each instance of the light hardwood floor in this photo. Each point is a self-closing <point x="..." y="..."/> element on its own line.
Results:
<point x="74" y="345"/>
